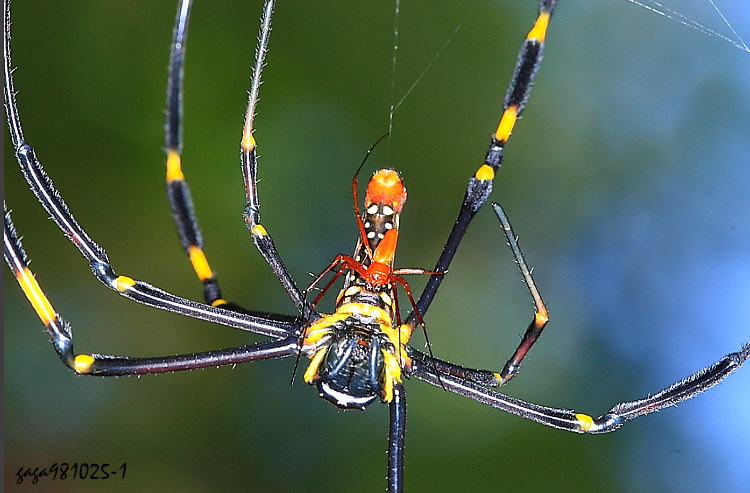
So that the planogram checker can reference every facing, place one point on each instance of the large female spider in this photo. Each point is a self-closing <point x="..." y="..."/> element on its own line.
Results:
<point x="297" y="417"/>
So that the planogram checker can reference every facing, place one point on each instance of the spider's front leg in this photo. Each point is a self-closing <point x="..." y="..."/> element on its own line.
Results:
<point x="478" y="190"/>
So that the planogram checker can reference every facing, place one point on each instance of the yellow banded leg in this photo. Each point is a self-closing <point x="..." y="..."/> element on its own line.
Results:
<point x="479" y="186"/>
<point x="181" y="203"/>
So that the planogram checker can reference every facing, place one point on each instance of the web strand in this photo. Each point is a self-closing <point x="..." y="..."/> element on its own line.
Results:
<point x="686" y="21"/>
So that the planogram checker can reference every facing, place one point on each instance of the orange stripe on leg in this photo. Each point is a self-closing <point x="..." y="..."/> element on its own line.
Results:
<point x="200" y="263"/>
<point x="540" y="27"/>
<point x="36" y="296"/>
<point x="248" y="143"/>
<point x="484" y="173"/>
<point x="507" y="121"/>
<point x="82" y="363"/>
<point x="174" y="169"/>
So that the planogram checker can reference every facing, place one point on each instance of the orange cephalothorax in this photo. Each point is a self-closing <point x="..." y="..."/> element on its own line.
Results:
<point x="386" y="188"/>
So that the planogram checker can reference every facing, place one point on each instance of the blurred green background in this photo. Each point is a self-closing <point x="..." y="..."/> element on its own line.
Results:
<point x="627" y="180"/>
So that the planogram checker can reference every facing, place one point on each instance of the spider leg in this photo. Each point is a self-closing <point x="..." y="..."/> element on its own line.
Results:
<point x="178" y="191"/>
<point x="277" y="326"/>
<point x="564" y="419"/>
<point x="396" y="434"/>
<point x="142" y="292"/>
<point x="480" y="185"/>
<point x="340" y="263"/>
<point x="400" y="280"/>
<point x="249" y="160"/>
<point x="540" y="318"/>
<point x="106" y="365"/>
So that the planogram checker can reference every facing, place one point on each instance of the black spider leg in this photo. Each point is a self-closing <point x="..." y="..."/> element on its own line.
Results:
<point x="178" y="191"/>
<point x="480" y="185"/>
<point x="271" y="325"/>
<point x="107" y="365"/>
<point x="249" y="160"/>
<point x="540" y="318"/>
<point x="396" y="434"/>
<point x="565" y="419"/>
<point x="277" y="326"/>
<point x="472" y="383"/>
<point x="534" y="330"/>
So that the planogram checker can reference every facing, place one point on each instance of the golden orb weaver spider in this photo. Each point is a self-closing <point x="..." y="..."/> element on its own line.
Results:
<point x="276" y="232"/>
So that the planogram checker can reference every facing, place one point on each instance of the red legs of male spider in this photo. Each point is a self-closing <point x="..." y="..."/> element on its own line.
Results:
<point x="378" y="273"/>
<point x="371" y="269"/>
